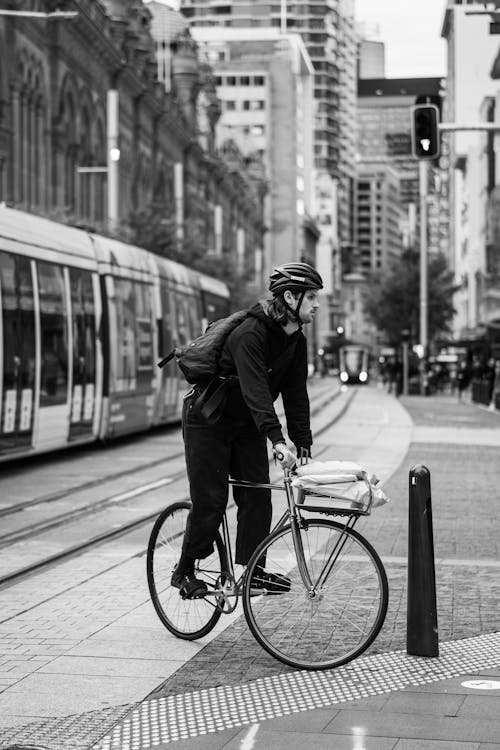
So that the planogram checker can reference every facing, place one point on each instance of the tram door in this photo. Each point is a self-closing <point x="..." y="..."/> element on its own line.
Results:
<point x="53" y="413"/>
<point x="84" y="392"/>
<point x="18" y="352"/>
<point x="167" y="338"/>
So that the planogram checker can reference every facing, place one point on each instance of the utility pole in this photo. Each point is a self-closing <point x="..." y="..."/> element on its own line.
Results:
<point x="113" y="157"/>
<point x="423" y="179"/>
<point x="425" y="146"/>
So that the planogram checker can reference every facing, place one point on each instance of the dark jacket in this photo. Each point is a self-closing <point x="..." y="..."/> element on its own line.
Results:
<point x="268" y="362"/>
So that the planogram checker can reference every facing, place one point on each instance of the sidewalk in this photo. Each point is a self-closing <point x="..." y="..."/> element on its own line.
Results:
<point x="385" y="700"/>
<point x="224" y="691"/>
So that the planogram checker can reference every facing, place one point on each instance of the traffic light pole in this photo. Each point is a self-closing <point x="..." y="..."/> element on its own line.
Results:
<point x="454" y="126"/>
<point x="425" y="129"/>
<point x="422" y="175"/>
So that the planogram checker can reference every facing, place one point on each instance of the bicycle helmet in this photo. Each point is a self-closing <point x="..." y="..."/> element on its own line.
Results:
<point x="294" y="276"/>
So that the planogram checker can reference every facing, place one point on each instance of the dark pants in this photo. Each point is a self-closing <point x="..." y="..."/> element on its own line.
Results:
<point x="213" y="452"/>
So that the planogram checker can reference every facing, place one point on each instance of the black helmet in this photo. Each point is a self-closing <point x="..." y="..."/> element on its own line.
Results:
<point x="294" y="276"/>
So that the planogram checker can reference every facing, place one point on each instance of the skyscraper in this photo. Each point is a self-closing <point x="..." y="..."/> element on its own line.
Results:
<point x="327" y="30"/>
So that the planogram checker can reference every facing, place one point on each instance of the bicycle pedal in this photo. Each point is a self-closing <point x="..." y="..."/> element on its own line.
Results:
<point x="188" y="598"/>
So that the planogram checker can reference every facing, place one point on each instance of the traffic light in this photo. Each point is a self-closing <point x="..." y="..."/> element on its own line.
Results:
<point x="425" y="131"/>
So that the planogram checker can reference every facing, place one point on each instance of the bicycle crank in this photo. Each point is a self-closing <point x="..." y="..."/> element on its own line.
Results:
<point x="226" y="593"/>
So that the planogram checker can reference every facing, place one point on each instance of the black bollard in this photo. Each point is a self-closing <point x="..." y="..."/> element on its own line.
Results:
<point x="421" y="623"/>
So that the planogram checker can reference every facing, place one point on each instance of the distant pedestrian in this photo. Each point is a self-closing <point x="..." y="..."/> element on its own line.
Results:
<point x="463" y="379"/>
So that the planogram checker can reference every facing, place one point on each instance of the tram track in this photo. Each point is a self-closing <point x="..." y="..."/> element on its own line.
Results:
<point x="40" y="527"/>
<point x="63" y="494"/>
<point x="23" y="535"/>
<point x="113" y="476"/>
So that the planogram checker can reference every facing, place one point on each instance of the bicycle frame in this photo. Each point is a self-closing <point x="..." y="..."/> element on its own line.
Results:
<point x="233" y="586"/>
<point x="291" y="514"/>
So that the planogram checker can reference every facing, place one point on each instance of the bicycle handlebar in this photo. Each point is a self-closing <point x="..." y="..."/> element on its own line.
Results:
<point x="278" y="455"/>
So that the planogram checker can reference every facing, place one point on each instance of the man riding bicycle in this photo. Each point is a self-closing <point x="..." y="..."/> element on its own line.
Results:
<point x="266" y="355"/>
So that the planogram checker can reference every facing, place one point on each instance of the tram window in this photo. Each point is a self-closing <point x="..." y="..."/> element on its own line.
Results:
<point x="27" y="327"/>
<point x="194" y="316"/>
<point x="54" y="334"/>
<point x="144" y="328"/>
<point x="18" y="322"/>
<point x="182" y="319"/>
<point x="83" y="315"/>
<point x="134" y="351"/>
<point x="125" y="365"/>
<point x="354" y="360"/>
<point x="167" y="323"/>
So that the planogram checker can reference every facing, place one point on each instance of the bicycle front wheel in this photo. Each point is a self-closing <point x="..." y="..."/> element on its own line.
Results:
<point x="185" y="618"/>
<point x="339" y="617"/>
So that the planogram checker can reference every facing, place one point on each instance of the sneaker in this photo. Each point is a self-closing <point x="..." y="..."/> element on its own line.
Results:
<point x="189" y="586"/>
<point x="273" y="583"/>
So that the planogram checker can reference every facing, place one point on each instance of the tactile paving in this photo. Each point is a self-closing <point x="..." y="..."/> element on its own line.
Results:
<point x="167" y="719"/>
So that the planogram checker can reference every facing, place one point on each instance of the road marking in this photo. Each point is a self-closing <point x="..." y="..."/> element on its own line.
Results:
<point x="481" y="684"/>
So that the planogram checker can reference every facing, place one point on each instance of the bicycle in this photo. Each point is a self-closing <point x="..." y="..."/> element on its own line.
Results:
<point x="337" y="597"/>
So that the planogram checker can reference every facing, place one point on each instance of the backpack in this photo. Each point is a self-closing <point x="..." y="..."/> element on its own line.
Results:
<point x="199" y="360"/>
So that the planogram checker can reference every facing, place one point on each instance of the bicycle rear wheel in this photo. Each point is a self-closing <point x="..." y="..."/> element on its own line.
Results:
<point x="331" y="625"/>
<point x="185" y="618"/>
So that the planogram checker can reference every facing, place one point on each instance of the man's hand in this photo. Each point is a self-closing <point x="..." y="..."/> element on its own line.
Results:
<point x="285" y="456"/>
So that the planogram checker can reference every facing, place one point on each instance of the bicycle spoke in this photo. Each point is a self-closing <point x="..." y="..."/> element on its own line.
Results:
<point x="338" y="618"/>
<point x="185" y="618"/>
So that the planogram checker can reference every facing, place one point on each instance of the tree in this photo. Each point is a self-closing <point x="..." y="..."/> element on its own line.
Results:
<point x="157" y="233"/>
<point x="393" y="299"/>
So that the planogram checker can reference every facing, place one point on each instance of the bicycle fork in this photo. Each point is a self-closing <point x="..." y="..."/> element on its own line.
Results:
<point x="314" y="587"/>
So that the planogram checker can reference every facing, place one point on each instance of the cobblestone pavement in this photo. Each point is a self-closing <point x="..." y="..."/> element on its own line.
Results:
<point x="465" y="475"/>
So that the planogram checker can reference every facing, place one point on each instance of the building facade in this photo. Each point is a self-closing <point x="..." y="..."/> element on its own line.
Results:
<point x="471" y="96"/>
<point x="379" y="216"/>
<point x="65" y="84"/>
<point x="327" y="30"/>
<point x="264" y="83"/>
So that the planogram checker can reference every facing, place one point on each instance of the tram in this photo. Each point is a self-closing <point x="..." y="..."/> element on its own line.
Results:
<point x="84" y="321"/>
<point x="354" y="364"/>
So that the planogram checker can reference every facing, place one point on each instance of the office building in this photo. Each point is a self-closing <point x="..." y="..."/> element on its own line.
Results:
<point x="264" y="83"/>
<point x="328" y="32"/>
<point x="471" y="95"/>
<point x="379" y="215"/>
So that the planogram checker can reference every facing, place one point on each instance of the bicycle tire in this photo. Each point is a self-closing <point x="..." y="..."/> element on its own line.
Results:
<point x="344" y="618"/>
<point x="185" y="618"/>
